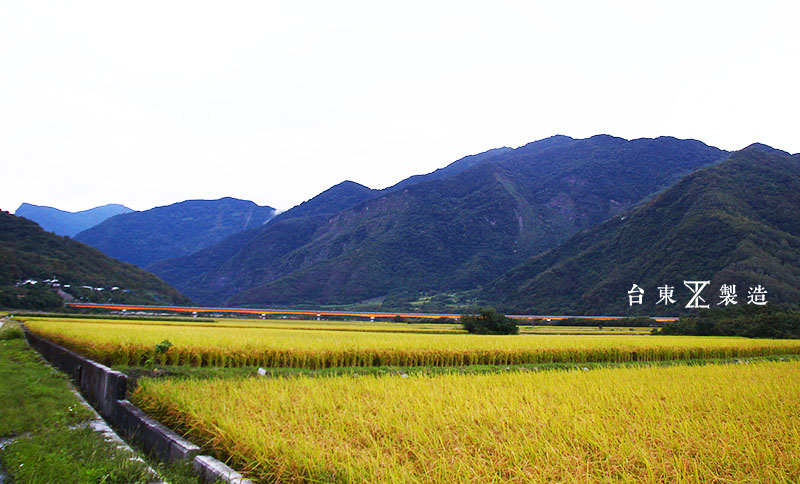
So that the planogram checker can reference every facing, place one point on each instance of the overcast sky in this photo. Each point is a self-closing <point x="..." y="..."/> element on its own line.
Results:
<point x="150" y="103"/>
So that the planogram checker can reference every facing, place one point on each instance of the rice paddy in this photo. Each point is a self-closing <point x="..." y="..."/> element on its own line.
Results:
<point x="681" y="424"/>
<point x="733" y="423"/>
<point x="115" y="342"/>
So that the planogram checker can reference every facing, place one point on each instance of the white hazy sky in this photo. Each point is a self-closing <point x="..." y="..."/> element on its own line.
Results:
<point x="148" y="103"/>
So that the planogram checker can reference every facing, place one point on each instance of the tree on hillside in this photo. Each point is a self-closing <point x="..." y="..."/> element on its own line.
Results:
<point x="488" y="321"/>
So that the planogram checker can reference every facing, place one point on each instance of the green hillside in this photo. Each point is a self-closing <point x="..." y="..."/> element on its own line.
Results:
<point x="454" y="232"/>
<point x="735" y="223"/>
<point x="142" y="238"/>
<point x="29" y="253"/>
<point x="212" y="275"/>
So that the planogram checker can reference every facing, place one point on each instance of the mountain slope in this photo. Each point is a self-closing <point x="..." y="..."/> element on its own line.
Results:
<point x="142" y="238"/>
<point x="460" y="231"/>
<point x="214" y="274"/>
<point x="733" y="223"/>
<point x="490" y="156"/>
<point x="453" y="168"/>
<point x="336" y="198"/>
<point x="28" y="252"/>
<point x="68" y="223"/>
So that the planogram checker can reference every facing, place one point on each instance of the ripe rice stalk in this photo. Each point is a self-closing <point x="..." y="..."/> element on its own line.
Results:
<point x="207" y="344"/>
<point x="699" y="424"/>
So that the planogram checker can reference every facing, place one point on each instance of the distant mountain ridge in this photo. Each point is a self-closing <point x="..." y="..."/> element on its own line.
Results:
<point x="336" y="198"/>
<point x="735" y="223"/>
<point x="218" y="272"/>
<point x="66" y="223"/>
<point x="453" y="168"/>
<point x="142" y="238"/>
<point x="489" y="156"/>
<point x="444" y="232"/>
<point x="30" y="256"/>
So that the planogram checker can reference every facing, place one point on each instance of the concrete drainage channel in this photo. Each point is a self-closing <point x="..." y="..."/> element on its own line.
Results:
<point x="97" y="424"/>
<point x="106" y="389"/>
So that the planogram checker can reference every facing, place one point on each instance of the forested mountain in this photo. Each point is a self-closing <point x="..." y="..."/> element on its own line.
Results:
<point x="456" y="167"/>
<point x="448" y="232"/>
<point x="142" y="238"/>
<point x="335" y="199"/>
<point x="68" y="223"/>
<point x="735" y="223"/>
<point x="214" y="274"/>
<point x="28" y="254"/>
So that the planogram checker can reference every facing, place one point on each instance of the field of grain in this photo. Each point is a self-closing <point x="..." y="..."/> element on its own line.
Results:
<point x="364" y="326"/>
<point x="390" y="327"/>
<point x="257" y="344"/>
<point x="681" y="424"/>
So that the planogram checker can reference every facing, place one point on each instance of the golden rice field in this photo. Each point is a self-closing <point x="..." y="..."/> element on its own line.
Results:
<point x="377" y="326"/>
<point x="390" y="327"/>
<point x="678" y="424"/>
<point x="252" y="344"/>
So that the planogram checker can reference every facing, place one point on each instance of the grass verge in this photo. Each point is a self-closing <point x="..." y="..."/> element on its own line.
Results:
<point x="67" y="455"/>
<point x="33" y="396"/>
<point x="10" y="330"/>
<point x="45" y="424"/>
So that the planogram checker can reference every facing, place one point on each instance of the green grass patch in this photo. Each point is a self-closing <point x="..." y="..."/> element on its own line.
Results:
<point x="50" y="444"/>
<point x="10" y="330"/>
<point x="32" y="395"/>
<point x="70" y="456"/>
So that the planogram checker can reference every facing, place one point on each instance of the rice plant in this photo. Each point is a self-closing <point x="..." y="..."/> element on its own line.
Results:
<point x="204" y="344"/>
<point x="698" y="424"/>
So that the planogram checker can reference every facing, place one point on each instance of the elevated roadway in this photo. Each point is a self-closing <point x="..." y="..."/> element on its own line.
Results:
<point x="320" y="313"/>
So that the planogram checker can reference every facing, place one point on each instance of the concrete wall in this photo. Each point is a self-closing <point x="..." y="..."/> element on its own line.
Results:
<point x="106" y="390"/>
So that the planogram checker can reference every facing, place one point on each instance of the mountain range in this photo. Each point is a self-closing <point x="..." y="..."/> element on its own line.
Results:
<point x="733" y="224"/>
<point x="560" y="225"/>
<point x="216" y="273"/>
<point x="66" y="223"/>
<point x="142" y="238"/>
<point x="452" y="230"/>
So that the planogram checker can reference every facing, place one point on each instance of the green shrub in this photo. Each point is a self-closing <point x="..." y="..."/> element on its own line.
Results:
<point x="769" y="323"/>
<point x="488" y="321"/>
<point x="10" y="330"/>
